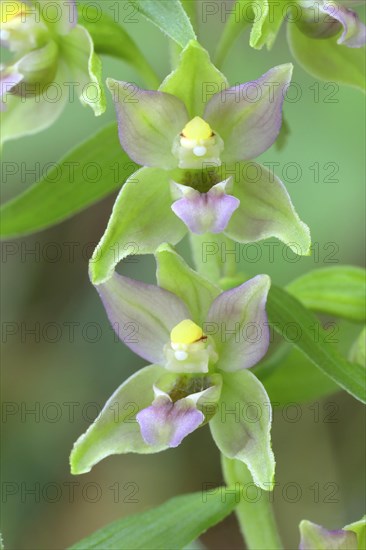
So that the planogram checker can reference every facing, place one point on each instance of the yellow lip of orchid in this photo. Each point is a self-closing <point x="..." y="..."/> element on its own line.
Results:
<point x="10" y="9"/>
<point x="186" y="332"/>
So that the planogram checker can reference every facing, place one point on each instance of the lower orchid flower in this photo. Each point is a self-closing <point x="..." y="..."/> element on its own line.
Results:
<point x="316" y="537"/>
<point x="52" y="60"/>
<point x="201" y="343"/>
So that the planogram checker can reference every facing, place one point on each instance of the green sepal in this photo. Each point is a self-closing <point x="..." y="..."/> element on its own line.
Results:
<point x="241" y="427"/>
<point x="141" y="220"/>
<point x="116" y="430"/>
<point x="327" y="60"/>
<point x="358" y="527"/>
<point x="195" y="79"/>
<point x="175" y="275"/>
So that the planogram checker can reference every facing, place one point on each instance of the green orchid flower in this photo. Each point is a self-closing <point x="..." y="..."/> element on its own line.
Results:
<point x="201" y="342"/>
<point x="52" y="61"/>
<point x="196" y="137"/>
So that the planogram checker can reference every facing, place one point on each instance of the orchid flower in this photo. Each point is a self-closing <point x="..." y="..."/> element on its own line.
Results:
<point x="196" y="147"/>
<point x="201" y="343"/>
<point x="316" y="537"/>
<point x="325" y="37"/>
<point x="52" y="61"/>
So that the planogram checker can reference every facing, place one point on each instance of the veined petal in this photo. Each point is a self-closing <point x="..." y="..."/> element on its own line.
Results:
<point x="116" y="430"/>
<point x="266" y="211"/>
<point x="140" y="222"/>
<point x="77" y="48"/>
<point x="315" y="537"/>
<point x="237" y="321"/>
<point x="62" y="15"/>
<point x="354" y="31"/>
<point x="151" y="311"/>
<point x="168" y="423"/>
<point x="148" y="122"/>
<point x="205" y="212"/>
<point x="241" y="427"/>
<point x="248" y="117"/>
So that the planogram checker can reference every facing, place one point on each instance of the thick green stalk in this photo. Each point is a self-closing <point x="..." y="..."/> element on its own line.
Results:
<point x="255" y="515"/>
<point x="233" y="27"/>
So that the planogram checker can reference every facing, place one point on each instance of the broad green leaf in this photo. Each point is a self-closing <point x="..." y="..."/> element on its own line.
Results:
<point x="170" y="526"/>
<point x="141" y="220"/>
<point x="338" y="291"/>
<point x="170" y="17"/>
<point x="86" y="175"/>
<point x="357" y="353"/>
<point x="195" y="79"/>
<point x="110" y="38"/>
<point x="283" y="311"/>
<point x="243" y="432"/>
<point x="175" y="275"/>
<point x="358" y="527"/>
<point x="327" y="60"/>
<point x="116" y="430"/>
<point x="290" y="376"/>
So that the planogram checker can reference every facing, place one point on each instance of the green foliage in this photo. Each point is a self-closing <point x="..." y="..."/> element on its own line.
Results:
<point x="86" y="175"/>
<point x="313" y="340"/>
<point x="338" y="291"/>
<point x="290" y="376"/>
<point x="173" y="525"/>
<point x="110" y="38"/>
<point x="170" y="17"/>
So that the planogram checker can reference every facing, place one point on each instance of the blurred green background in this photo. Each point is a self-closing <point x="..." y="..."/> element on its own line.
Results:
<point x="66" y="381"/>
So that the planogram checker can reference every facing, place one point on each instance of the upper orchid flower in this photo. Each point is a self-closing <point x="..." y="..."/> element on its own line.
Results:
<point x="201" y="342"/>
<point x="325" y="37"/>
<point x="316" y="537"/>
<point x="52" y="61"/>
<point x="195" y="145"/>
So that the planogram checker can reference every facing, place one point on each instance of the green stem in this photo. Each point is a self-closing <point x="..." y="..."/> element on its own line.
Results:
<point x="255" y="516"/>
<point x="230" y="33"/>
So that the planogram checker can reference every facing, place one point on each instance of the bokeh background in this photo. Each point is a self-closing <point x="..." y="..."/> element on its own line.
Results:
<point x="65" y="382"/>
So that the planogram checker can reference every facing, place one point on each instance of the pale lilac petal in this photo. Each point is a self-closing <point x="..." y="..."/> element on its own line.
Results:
<point x="206" y="212"/>
<point x="141" y="314"/>
<point x="237" y="321"/>
<point x="165" y="422"/>
<point x="354" y="31"/>
<point x="248" y="117"/>
<point x="148" y="122"/>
